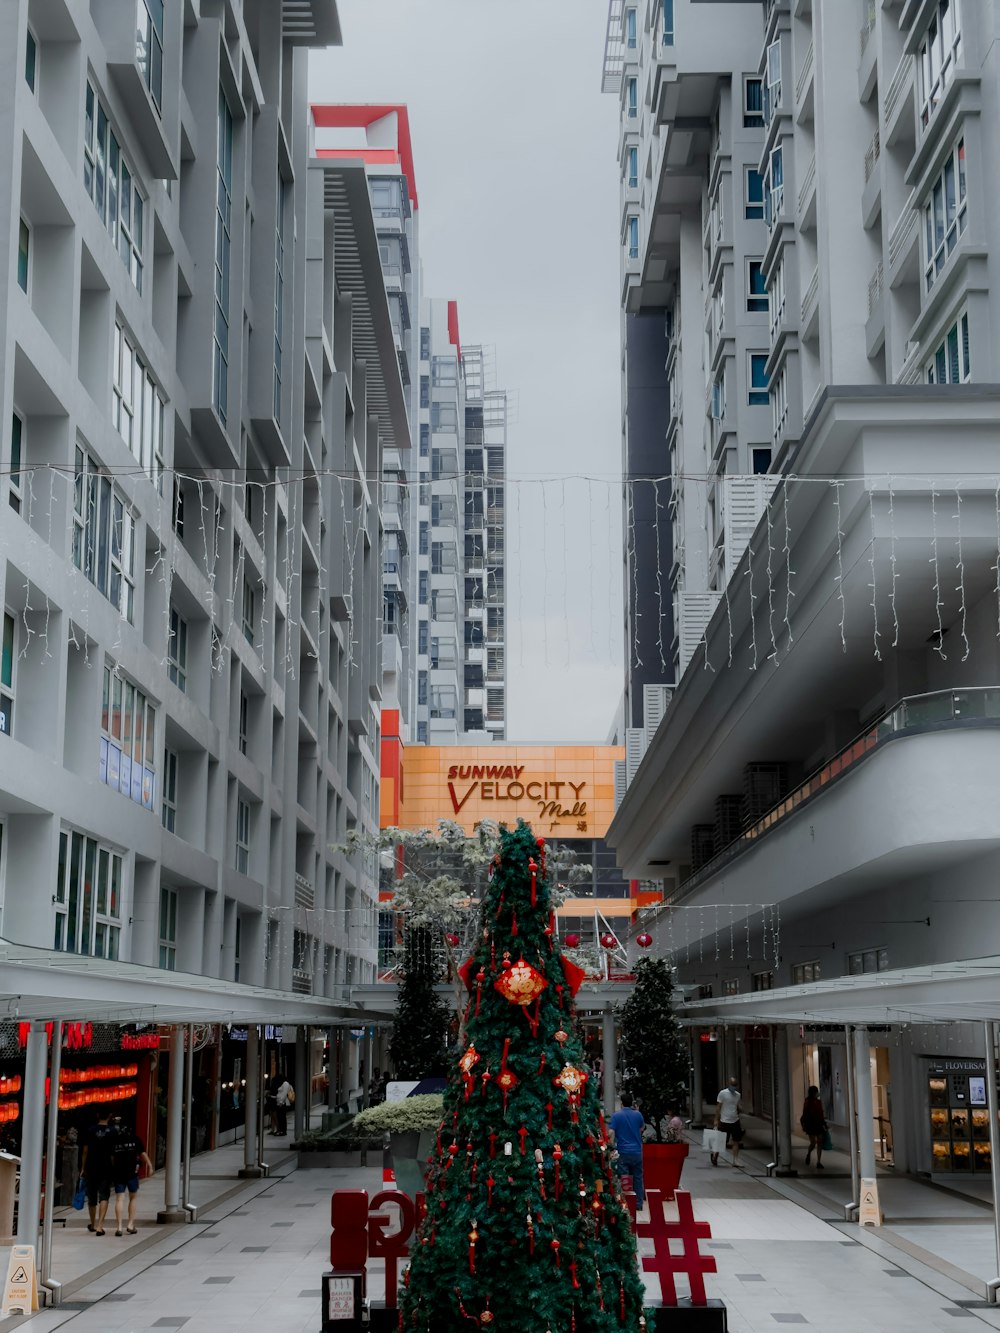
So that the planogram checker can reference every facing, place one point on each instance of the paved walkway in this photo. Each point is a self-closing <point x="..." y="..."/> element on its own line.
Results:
<point x="256" y="1254"/>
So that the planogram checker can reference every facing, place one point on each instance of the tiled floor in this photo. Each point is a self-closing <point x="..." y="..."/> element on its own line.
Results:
<point x="257" y="1255"/>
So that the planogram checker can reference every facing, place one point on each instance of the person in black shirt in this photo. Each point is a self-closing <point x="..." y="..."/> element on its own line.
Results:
<point x="95" y="1167"/>
<point x="129" y="1155"/>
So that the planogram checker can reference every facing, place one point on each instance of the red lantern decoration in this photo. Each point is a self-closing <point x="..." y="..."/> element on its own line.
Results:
<point x="609" y="941"/>
<point x="572" y="940"/>
<point x="521" y="984"/>
<point x="452" y="939"/>
<point x="644" y="939"/>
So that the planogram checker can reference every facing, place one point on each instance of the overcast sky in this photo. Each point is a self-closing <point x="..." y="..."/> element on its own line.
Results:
<point x="514" y="151"/>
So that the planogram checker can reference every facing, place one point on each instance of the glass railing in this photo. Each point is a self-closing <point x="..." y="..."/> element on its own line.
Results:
<point x="916" y="713"/>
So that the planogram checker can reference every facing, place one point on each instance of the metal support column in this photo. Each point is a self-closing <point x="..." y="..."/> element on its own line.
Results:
<point x="993" y="1286"/>
<point x="609" y="1056"/>
<point x="775" y="1161"/>
<point x="262" y="1082"/>
<point x="303" y="1083"/>
<point x="866" y="1113"/>
<point x="251" y="1096"/>
<point x="172" y="1211"/>
<point x="32" y="1121"/>
<point x="45" y="1278"/>
<point x="186" y="1205"/>
<point x="851" y="1208"/>
<point x="783" y="1104"/>
<point x="697" y="1081"/>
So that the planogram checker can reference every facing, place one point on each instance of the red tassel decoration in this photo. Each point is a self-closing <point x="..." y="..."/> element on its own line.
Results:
<point x="490" y="1182"/>
<point x="522" y="1134"/>
<point x="548" y="1112"/>
<point x="480" y="978"/>
<point x="513" y="923"/>
<point x="559" y="991"/>
<point x="493" y="1145"/>
<point x="557" y="1155"/>
<point x="572" y="1269"/>
<point x="533" y="867"/>
<point x="473" y="1237"/>
<point x="541" y="1068"/>
<point x="555" y="1252"/>
<point x="531" y="1235"/>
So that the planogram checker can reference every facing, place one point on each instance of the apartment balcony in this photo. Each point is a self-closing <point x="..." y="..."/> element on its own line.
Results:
<point x="875" y="326"/>
<point x="807" y="197"/>
<point x="810" y="309"/>
<point x="804" y="87"/>
<point x="871" y="197"/>
<point x="899" y="113"/>
<point x="915" y="790"/>
<point x="791" y="668"/>
<point x="904" y="252"/>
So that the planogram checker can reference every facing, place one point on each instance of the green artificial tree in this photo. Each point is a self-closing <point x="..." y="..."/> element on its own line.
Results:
<point x="417" y="1047"/>
<point x="525" y="1228"/>
<point x="656" y="1062"/>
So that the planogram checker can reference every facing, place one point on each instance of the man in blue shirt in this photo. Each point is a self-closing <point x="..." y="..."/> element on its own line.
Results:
<point x="627" y="1126"/>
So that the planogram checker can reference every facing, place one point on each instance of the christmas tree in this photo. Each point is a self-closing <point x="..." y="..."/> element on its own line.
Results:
<point x="657" y="1061"/>
<point x="525" y="1230"/>
<point x="420" y="1024"/>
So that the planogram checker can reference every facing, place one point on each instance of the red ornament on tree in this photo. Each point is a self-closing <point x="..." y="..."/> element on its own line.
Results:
<point x="521" y="984"/>
<point x="452" y="939"/>
<point x="609" y="941"/>
<point x="572" y="940"/>
<point x="644" y="939"/>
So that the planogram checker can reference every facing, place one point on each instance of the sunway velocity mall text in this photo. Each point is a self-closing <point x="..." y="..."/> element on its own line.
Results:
<point x="497" y="782"/>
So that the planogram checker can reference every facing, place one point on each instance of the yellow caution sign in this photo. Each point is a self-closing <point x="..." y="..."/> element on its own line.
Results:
<point x="870" y="1212"/>
<point x="21" y="1288"/>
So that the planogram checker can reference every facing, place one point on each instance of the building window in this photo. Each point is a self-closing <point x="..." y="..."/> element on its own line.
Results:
<point x="168" y="928"/>
<point x="774" y="188"/>
<point x="422" y="687"/>
<point x="444" y="371"/>
<point x="223" y="229"/>
<point x="425" y="346"/>
<point x="177" y="650"/>
<point x="423" y="632"/>
<point x="422" y="584"/>
<point x="630" y="29"/>
<point x="128" y="740"/>
<point x="30" y="60"/>
<point x="804" y="973"/>
<point x="104" y="535"/>
<point x="425" y="391"/>
<point x="938" y="57"/>
<point x="753" y="104"/>
<point x="756" y="287"/>
<point x="731" y="986"/>
<point x="633" y="238"/>
<point x="444" y="417"/>
<point x="760" y="459"/>
<point x="88" y="897"/>
<point x="951" y="362"/>
<point x="244" y="722"/>
<point x="16" y="450"/>
<point x="243" y="837"/>
<point x="719" y="397"/>
<point x="137" y="409"/>
<point x="249" y="610"/>
<point x="945" y="214"/>
<point x="494" y="704"/>
<point x="753" y="194"/>
<point x="279" y="290"/>
<point x="8" y="657"/>
<point x="421" y="733"/>
<point x="633" y="98"/>
<point x="425" y="439"/>
<point x="168" y="810"/>
<point x="23" y="255"/>
<point x="111" y="184"/>
<point x="762" y="981"/>
<point x="772" y="90"/>
<point x="423" y="538"/>
<point x="149" y="46"/>
<point x="633" y="168"/>
<point x="867" y="960"/>
<point x="668" y="22"/>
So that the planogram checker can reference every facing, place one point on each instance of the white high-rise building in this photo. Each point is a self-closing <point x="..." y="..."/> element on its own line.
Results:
<point x="198" y="383"/>
<point x="809" y="254"/>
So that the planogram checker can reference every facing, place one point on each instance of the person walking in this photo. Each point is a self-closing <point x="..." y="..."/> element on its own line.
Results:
<point x="95" y="1167"/>
<point x="813" y="1122"/>
<point x="727" y="1117"/>
<point x="627" y="1126"/>
<point x="284" y="1097"/>
<point x="128" y="1157"/>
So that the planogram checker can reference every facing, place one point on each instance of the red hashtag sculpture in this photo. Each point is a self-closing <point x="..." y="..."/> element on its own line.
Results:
<point x="663" y="1262"/>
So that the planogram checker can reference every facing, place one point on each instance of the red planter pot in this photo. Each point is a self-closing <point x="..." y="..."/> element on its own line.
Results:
<point x="662" y="1164"/>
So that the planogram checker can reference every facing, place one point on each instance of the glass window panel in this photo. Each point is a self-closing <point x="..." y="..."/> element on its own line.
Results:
<point x="87" y="905"/>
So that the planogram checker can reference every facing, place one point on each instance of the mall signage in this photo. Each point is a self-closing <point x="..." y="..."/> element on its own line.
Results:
<point x="556" y="799"/>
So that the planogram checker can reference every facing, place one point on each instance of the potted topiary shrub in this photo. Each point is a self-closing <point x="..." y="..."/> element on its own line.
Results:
<point x="410" y="1124"/>
<point x="656" y="1067"/>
